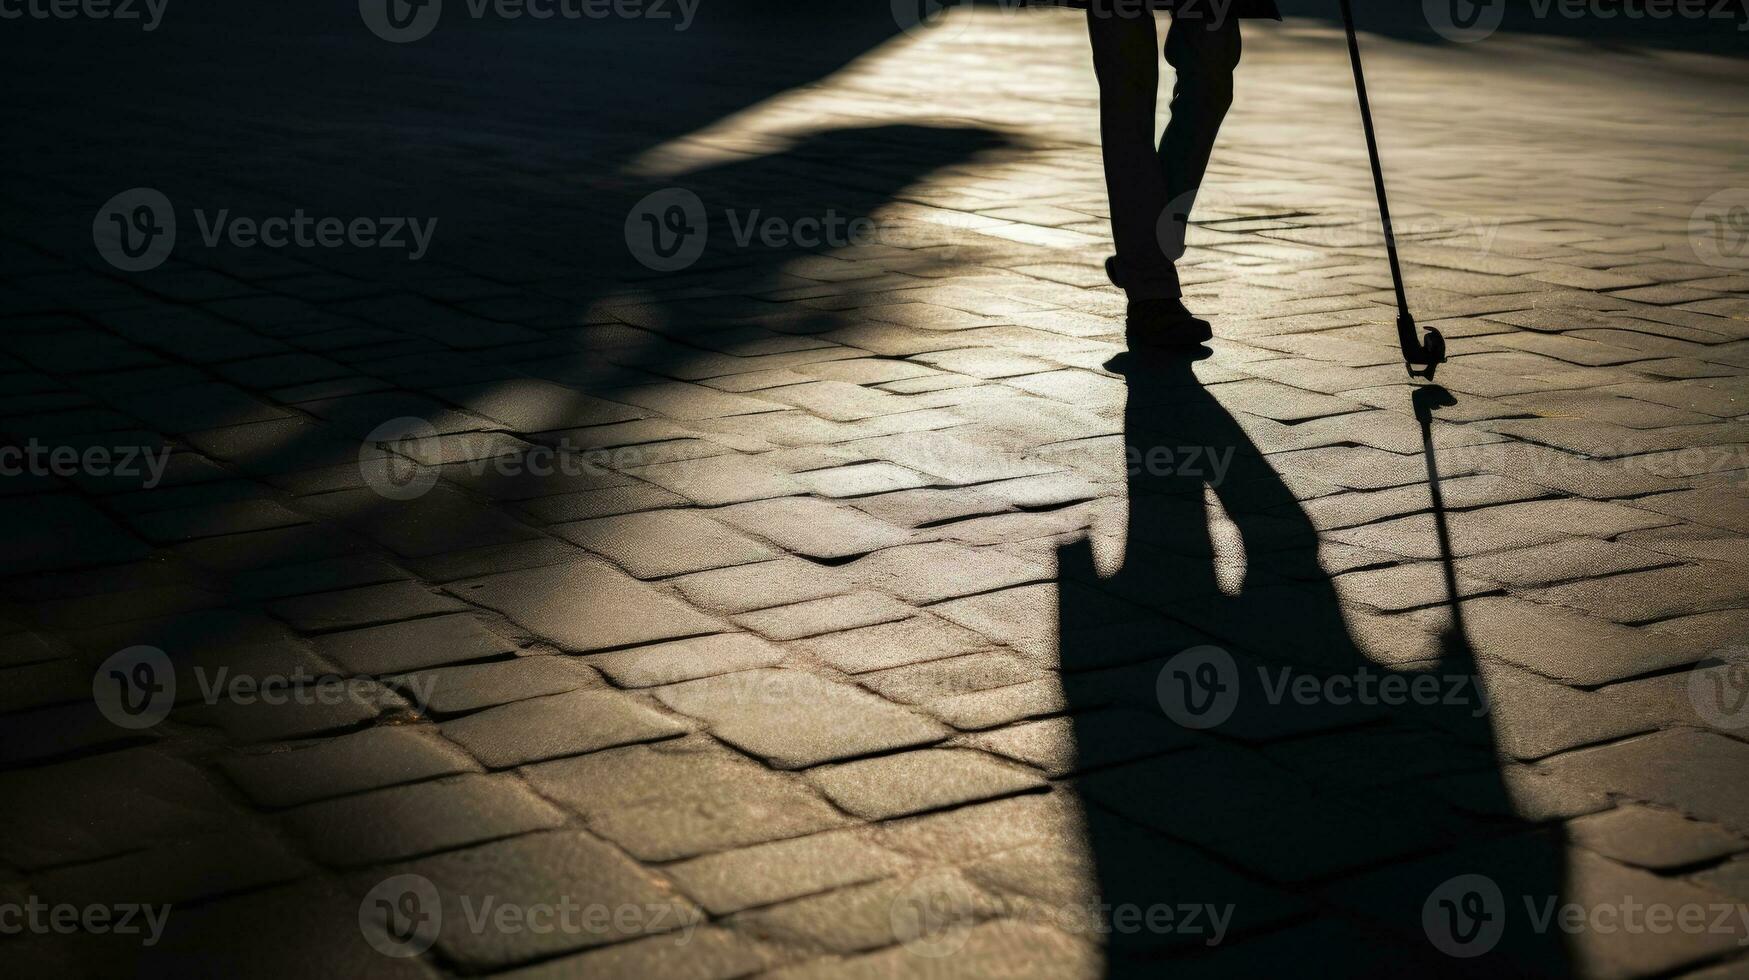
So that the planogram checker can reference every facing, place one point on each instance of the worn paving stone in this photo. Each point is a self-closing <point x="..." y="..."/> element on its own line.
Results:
<point x="769" y="873"/>
<point x="913" y="782"/>
<point x="450" y="690"/>
<point x="1651" y="838"/>
<point x="680" y="799"/>
<point x="914" y="639"/>
<point x="685" y="660"/>
<point x="795" y="720"/>
<point x="761" y="585"/>
<point x="584" y="606"/>
<point x="399" y="822"/>
<point x="427" y="642"/>
<point x="1676" y="768"/>
<point x="658" y="544"/>
<point x="371" y="759"/>
<point x="828" y="615"/>
<point x="544" y="870"/>
<point x="813" y="528"/>
<point x="557" y="725"/>
<point x="362" y="606"/>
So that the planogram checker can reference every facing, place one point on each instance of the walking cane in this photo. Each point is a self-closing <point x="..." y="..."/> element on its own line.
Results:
<point x="1426" y="355"/>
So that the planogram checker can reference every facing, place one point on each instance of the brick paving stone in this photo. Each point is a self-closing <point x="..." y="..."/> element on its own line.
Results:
<point x="1567" y="644"/>
<point x="584" y="606"/>
<point x="913" y="782"/>
<point x="415" y="643"/>
<point x="828" y="615"/>
<point x="931" y="572"/>
<point x="658" y="544"/>
<point x="853" y="919"/>
<point x="685" y="660"/>
<point x="66" y="814"/>
<point x="794" y="720"/>
<point x="911" y="640"/>
<point x="719" y="480"/>
<point x="370" y="759"/>
<point x="558" y="725"/>
<point x="1639" y="597"/>
<point x="545" y="870"/>
<point x="813" y="528"/>
<point x="469" y="687"/>
<point x="761" y="585"/>
<point x="708" y="953"/>
<point x="403" y="821"/>
<point x="769" y="873"/>
<point x="178" y="873"/>
<point x="1651" y="838"/>
<point x="684" y="798"/>
<point x="967" y="674"/>
<point x="1678" y="768"/>
<point x="362" y="606"/>
<point x="863" y="479"/>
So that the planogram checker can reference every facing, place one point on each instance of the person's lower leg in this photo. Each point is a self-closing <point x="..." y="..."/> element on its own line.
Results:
<point x="1203" y="51"/>
<point x="1126" y="60"/>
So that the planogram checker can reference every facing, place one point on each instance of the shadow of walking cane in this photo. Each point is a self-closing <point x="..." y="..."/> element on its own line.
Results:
<point x="1425" y="400"/>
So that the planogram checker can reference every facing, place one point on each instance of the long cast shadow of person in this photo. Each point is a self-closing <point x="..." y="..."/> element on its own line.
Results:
<point x="1257" y="793"/>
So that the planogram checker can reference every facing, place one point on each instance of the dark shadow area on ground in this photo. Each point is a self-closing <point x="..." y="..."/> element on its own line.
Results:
<point x="516" y="137"/>
<point x="1218" y="769"/>
<point x="1719" y="32"/>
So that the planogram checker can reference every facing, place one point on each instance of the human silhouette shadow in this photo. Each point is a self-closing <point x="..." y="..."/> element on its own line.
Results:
<point x="1329" y="833"/>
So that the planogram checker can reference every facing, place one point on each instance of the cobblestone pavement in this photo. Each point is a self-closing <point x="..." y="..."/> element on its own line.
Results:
<point x="837" y="597"/>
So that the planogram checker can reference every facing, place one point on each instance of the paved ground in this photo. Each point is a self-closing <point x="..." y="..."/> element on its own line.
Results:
<point x="860" y="608"/>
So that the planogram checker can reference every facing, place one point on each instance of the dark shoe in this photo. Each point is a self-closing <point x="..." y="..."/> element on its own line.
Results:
<point x="1164" y="323"/>
<point x="1112" y="271"/>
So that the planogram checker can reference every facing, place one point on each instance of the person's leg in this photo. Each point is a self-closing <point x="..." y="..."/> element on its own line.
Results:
<point x="1126" y="60"/>
<point x="1203" y="49"/>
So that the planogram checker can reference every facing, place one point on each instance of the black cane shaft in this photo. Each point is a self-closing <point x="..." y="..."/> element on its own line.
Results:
<point x="1372" y="150"/>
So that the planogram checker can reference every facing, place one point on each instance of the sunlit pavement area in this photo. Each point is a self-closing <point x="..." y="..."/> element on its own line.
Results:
<point x="545" y="585"/>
